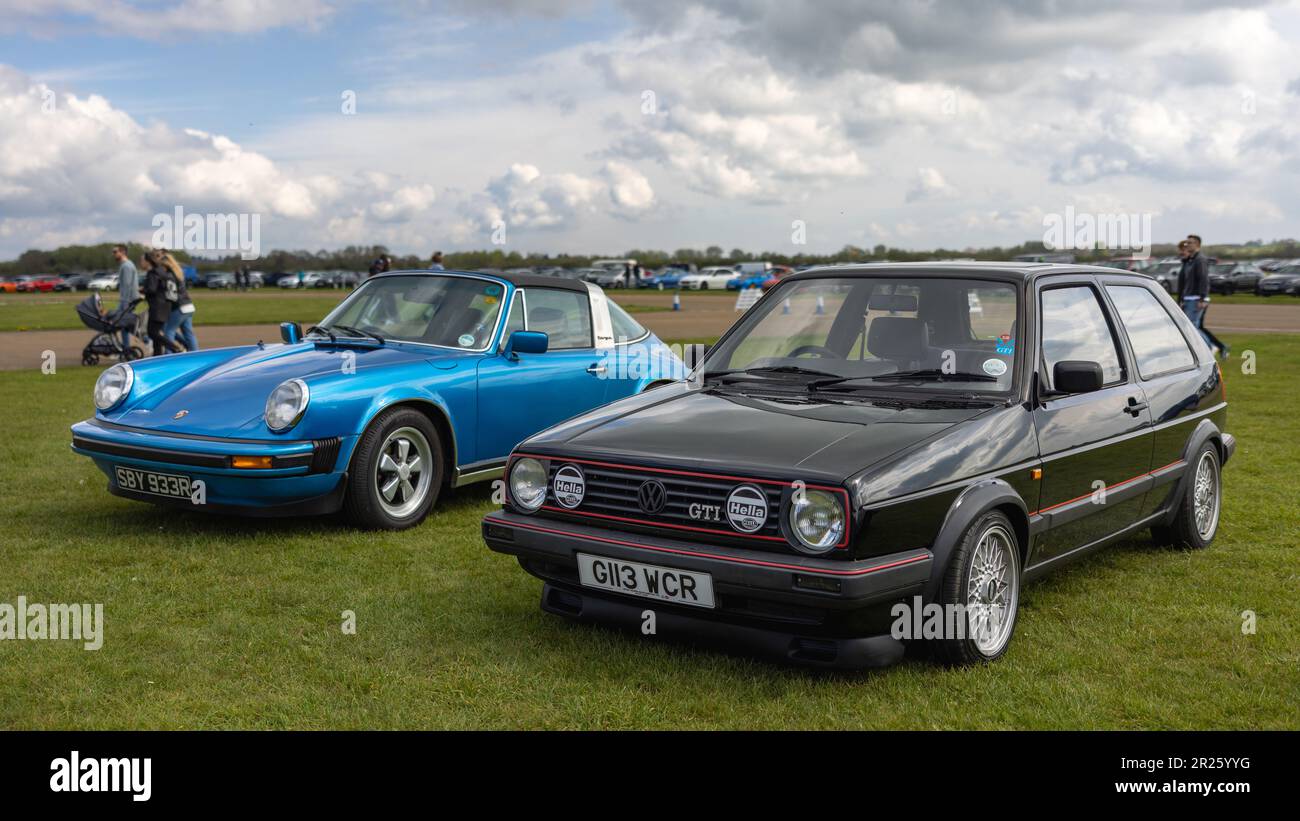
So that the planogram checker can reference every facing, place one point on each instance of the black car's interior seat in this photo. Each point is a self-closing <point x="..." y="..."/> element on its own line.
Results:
<point x="903" y="341"/>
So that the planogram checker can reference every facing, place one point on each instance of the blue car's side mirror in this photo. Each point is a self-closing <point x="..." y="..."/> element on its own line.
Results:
<point x="526" y="342"/>
<point x="291" y="332"/>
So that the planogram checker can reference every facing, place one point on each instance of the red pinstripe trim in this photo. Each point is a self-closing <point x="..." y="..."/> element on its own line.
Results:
<point x="667" y="524"/>
<point x="848" y="515"/>
<point x="1108" y="487"/>
<point x="735" y="559"/>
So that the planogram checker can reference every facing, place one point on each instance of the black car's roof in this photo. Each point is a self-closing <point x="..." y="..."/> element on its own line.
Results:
<point x="1013" y="271"/>
<point x="518" y="280"/>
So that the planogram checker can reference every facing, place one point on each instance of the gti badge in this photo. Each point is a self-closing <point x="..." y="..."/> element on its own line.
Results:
<point x="652" y="497"/>
<point x="747" y="509"/>
<point x="570" y="486"/>
<point x="178" y="414"/>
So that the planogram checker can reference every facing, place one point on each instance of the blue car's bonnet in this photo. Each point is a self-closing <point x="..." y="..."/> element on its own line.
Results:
<point x="228" y="398"/>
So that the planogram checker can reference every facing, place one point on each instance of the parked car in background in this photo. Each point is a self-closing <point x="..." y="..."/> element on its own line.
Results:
<point x="103" y="282"/>
<point x="75" y="282"/>
<point x="1231" y="277"/>
<point x="588" y="274"/>
<point x="8" y="285"/>
<point x="1284" y="280"/>
<point x="1166" y="273"/>
<point x="309" y="279"/>
<point x="1128" y="263"/>
<point x="452" y="370"/>
<point x="345" y="279"/>
<point x="38" y="283"/>
<point x="220" y="280"/>
<point x="715" y="277"/>
<point x="778" y="273"/>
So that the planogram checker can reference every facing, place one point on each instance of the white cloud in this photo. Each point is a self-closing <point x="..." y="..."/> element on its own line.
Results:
<point x="168" y="20"/>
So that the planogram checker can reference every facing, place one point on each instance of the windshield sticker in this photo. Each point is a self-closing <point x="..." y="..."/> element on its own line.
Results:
<point x="492" y="290"/>
<point x="490" y="300"/>
<point x="994" y="367"/>
<point x="1006" y="345"/>
<point x="468" y="339"/>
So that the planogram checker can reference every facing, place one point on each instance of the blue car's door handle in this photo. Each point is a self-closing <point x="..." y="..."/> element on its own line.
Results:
<point x="596" y="370"/>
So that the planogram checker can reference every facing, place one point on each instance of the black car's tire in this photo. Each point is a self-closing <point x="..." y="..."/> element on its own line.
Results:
<point x="376" y="470"/>
<point x="977" y="574"/>
<point x="1196" y="519"/>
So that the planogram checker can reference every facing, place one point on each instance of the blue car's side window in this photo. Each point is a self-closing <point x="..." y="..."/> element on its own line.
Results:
<point x="564" y="316"/>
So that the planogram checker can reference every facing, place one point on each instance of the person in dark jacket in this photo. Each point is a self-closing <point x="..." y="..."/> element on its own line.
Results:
<point x="161" y="294"/>
<point x="1194" y="287"/>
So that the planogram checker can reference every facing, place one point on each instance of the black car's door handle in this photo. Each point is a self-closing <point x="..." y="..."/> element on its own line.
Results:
<point x="1135" y="407"/>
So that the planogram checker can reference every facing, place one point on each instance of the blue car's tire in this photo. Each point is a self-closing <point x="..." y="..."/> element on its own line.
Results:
<point x="396" y="473"/>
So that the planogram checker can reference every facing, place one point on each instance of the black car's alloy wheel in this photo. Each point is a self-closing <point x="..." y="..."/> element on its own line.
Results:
<point x="983" y="579"/>
<point x="396" y="473"/>
<point x="1196" y="520"/>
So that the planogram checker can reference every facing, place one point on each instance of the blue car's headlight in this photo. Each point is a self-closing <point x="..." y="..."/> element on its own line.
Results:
<point x="286" y="404"/>
<point x="113" y="385"/>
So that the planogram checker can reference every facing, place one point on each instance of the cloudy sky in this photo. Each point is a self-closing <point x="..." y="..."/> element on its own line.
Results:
<point x="602" y="126"/>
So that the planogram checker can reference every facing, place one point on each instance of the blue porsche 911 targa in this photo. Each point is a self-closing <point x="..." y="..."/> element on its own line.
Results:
<point x="417" y="381"/>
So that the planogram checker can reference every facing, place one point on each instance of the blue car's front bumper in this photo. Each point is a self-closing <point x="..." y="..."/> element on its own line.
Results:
<point x="306" y="477"/>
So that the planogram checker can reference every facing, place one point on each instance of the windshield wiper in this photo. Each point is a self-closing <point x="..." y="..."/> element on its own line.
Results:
<point x="798" y="370"/>
<point x="359" y="332"/>
<point x="324" y="329"/>
<point x="934" y="374"/>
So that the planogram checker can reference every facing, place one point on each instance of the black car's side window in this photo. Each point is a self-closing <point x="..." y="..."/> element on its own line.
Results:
<point x="564" y="316"/>
<point x="1075" y="328"/>
<point x="1158" y="345"/>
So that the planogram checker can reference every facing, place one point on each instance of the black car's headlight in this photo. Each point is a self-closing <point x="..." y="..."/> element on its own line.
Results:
<point x="817" y="520"/>
<point x="528" y="484"/>
<point x="286" y="404"/>
<point x="113" y="385"/>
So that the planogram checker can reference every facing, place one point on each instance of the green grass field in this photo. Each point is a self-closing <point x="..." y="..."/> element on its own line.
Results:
<point x="51" y="312"/>
<point x="228" y="623"/>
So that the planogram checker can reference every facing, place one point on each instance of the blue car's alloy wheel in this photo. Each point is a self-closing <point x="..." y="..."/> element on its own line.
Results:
<point x="397" y="471"/>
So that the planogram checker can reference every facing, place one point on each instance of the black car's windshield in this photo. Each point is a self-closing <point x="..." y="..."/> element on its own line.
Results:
<point x="858" y="332"/>
<point x="454" y="312"/>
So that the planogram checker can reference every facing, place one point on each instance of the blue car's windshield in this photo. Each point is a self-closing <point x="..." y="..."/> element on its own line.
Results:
<point x="454" y="312"/>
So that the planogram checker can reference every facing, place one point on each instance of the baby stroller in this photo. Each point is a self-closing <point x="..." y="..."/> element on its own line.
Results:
<point x="108" y="340"/>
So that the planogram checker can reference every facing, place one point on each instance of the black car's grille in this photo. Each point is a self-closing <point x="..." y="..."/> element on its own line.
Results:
<point x="611" y="493"/>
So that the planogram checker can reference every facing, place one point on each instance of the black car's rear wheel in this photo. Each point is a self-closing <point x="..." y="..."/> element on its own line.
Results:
<point x="983" y="582"/>
<point x="396" y="472"/>
<point x="1196" y="520"/>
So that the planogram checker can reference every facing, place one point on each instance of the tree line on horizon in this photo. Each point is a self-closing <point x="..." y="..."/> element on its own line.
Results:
<point x="91" y="258"/>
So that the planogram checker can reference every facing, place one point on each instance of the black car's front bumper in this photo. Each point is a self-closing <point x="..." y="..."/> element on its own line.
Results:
<point x="821" y="612"/>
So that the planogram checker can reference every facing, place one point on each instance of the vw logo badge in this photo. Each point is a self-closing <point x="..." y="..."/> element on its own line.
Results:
<point x="747" y="509"/>
<point x="569" y="486"/>
<point x="652" y="497"/>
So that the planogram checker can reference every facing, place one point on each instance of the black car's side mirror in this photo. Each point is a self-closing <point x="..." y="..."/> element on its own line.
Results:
<point x="1074" y="376"/>
<point x="526" y="342"/>
<point x="291" y="332"/>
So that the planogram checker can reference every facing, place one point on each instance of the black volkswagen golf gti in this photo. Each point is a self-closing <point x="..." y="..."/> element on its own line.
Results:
<point x="876" y="456"/>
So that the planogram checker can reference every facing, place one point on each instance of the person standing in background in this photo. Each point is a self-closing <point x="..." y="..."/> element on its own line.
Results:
<point x="436" y="263"/>
<point x="161" y="293"/>
<point x="1220" y="347"/>
<point x="1194" y="286"/>
<point x="128" y="285"/>
<point x="181" y="318"/>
